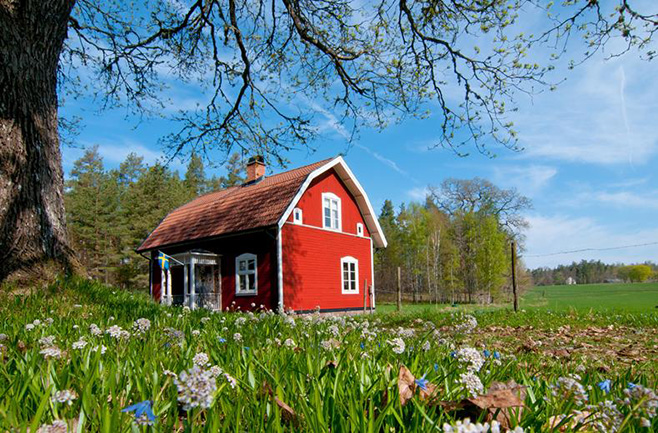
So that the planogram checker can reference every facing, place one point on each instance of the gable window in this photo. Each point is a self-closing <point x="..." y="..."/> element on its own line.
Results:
<point x="297" y="216"/>
<point x="359" y="229"/>
<point x="330" y="211"/>
<point x="349" y="267"/>
<point x="246" y="275"/>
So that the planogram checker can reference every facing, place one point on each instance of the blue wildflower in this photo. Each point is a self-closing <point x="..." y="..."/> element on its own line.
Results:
<point x="486" y="353"/>
<point x="141" y="410"/>
<point x="436" y="367"/>
<point x="422" y="383"/>
<point x="496" y="355"/>
<point x="604" y="385"/>
<point x="246" y="348"/>
<point x="363" y="346"/>
<point x="453" y="353"/>
<point x="222" y="340"/>
<point x="631" y="385"/>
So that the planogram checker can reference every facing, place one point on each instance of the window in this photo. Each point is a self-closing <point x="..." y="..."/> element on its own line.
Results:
<point x="330" y="211"/>
<point x="297" y="216"/>
<point x="349" y="275"/>
<point x="359" y="229"/>
<point x="246" y="275"/>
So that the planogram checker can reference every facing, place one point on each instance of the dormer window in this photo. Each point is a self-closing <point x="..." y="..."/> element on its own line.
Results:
<point x="331" y="211"/>
<point x="359" y="229"/>
<point x="297" y="216"/>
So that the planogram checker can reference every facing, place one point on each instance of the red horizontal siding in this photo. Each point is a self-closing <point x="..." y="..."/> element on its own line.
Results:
<point x="312" y="269"/>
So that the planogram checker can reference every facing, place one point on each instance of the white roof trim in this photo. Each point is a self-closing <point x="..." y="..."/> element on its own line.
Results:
<point x="353" y="185"/>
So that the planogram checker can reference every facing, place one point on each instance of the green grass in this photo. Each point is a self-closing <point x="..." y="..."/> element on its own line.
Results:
<point x="641" y="297"/>
<point x="636" y="297"/>
<point x="314" y="373"/>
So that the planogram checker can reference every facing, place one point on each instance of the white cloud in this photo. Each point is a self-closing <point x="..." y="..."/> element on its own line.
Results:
<point x="418" y="193"/>
<point x="604" y="114"/>
<point x="551" y="234"/>
<point x="529" y="180"/>
<point x="627" y="199"/>
<point x="115" y="152"/>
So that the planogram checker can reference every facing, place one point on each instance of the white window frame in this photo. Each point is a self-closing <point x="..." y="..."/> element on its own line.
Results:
<point x="359" y="229"/>
<point x="332" y="198"/>
<point x="246" y="274"/>
<point x="343" y="262"/>
<point x="297" y="216"/>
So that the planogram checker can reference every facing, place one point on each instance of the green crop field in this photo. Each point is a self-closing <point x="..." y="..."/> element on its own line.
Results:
<point x="83" y="357"/>
<point x="632" y="297"/>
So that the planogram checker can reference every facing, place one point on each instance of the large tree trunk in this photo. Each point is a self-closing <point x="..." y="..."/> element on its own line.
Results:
<point x="32" y="219"/>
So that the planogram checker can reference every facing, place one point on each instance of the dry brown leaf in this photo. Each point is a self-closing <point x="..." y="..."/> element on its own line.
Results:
<point x="287" y="414"/>
<point x="408" y="387"/>
<point x="576" y="420"/>
<point x="503" y="403"/>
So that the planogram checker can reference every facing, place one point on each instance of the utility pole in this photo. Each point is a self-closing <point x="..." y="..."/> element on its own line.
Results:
<point x="399" y="289"/>
<point x="516" y="299"/>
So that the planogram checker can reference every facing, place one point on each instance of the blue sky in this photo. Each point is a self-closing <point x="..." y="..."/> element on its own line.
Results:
<point x="589" y="164"/>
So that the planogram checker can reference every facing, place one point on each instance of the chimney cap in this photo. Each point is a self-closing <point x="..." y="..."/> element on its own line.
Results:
<point x="256" y="159"/>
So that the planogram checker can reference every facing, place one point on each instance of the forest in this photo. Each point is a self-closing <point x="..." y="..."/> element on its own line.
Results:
<point x="110" y="212"/>
<point x="594" y="272"/>
<point x="455" y="247"/>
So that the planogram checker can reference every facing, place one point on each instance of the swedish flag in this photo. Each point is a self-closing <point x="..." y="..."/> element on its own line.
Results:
<point x="163" y="260"/>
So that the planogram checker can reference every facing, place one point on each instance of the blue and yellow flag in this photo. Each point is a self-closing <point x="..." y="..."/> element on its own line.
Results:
<point x="163" y="261"/>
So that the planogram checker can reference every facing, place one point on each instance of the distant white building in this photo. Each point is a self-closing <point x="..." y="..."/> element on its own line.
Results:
<point x="571" y="281"/>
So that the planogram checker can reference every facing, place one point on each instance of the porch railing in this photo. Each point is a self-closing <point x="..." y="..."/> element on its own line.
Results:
<point x="198" y="300"/>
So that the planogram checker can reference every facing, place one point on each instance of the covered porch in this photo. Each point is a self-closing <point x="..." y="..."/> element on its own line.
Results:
<point x="193" y="279"/>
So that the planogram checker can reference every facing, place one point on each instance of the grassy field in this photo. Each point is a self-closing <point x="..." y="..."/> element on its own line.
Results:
<point x="85" y="357"/>
<point x="638" y="297"/>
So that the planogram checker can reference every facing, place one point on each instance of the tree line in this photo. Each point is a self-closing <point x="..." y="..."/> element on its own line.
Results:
<point x="110" y="212"/>
<point x="454" y="247"/>
<point x="594" y="272"/>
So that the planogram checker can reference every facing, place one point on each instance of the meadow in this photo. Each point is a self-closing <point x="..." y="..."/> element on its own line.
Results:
<point x="84" y="357"/>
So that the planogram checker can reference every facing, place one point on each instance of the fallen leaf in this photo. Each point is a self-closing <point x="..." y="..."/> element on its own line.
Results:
<point x="287" y="414"/>
<point x="407" y="386"/>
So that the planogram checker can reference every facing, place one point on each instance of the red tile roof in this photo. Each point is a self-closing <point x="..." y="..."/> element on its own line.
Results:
<point x="235" y="209"/>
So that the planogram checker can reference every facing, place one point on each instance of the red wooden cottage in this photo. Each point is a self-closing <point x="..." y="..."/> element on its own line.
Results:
<point x="298" y="240"/>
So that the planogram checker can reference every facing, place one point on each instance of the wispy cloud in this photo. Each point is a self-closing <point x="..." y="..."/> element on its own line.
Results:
<point x="529" y="179"/>
<point x="418" y="193"/>
<point x="605" y="116"/>
<point x="551" y="234"/>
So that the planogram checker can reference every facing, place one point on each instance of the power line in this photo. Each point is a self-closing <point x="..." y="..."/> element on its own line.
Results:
<point x="592" y="249"/>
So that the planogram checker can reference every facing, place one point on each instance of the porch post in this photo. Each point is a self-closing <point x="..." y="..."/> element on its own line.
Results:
<point x="169" y="286"/>
<point x="186" y="287"/>
<point x="163" y="288"/>
<point x="192" y="285"/>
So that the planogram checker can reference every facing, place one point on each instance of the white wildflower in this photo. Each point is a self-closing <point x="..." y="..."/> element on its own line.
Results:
<point x="290" y="343"/>
<point x="95" y="330"/>
<point x="467" y="324"/>
<point x="426" y="346"/>
<point x="240" y="321"/>
<point x="397" y="344"/>
<point x="472" y="383"/>
<point x="80" y="344"/>
<point x="237" y="336"/>
<point x="470" y="356"/>
<point x="65" y="397"/>
<point x="29" y="327"/>
<point x="196" y="388"/>
<point x="58" y="426"/>
<point x="47" y="341"/>
<point x="196" y="332"/>
<point x="141" y="326"/>
<point x="231" y="380"/>
<point x="216" y="371"/>
<point x="201" y="359"/>
<point x="52" y="352"/>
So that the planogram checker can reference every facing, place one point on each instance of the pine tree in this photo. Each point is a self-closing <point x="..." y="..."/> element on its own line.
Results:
<point x="235" y="172"/>
<point x="195" y="177"/>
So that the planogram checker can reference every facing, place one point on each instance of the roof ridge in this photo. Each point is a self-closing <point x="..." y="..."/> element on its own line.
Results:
<point x="323" y="161"/>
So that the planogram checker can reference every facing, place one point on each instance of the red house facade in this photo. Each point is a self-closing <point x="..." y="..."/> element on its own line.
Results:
<point x="300" y="240"/>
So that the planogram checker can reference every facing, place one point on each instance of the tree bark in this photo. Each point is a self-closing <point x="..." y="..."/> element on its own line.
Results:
<point x="32" y="220"/>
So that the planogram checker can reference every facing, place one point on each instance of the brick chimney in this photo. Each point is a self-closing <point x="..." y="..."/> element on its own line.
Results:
<point x="255" y="168"/>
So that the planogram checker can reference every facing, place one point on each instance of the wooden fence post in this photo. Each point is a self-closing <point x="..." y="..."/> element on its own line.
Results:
<point x="516" y="299"/>
<point x="399" y="289"/>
